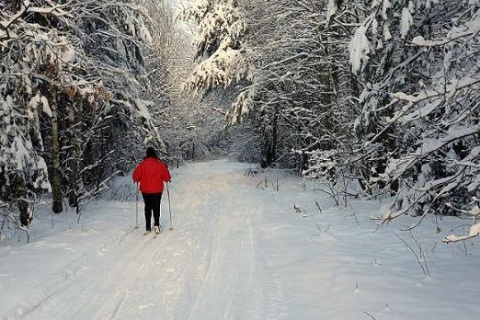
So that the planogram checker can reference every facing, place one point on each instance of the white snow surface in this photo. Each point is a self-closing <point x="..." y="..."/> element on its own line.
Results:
<point x="239" y="249"/>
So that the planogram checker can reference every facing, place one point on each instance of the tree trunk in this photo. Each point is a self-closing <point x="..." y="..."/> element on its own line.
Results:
<point x="270" y="142"/>
<point x="74" y="179"/>
<point x="21" y="195"/>
<point x="56" y="179"/>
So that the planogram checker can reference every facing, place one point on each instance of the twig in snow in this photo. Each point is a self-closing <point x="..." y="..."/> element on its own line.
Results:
<point x="420" y="257"/>
<point x="318" y="206"/>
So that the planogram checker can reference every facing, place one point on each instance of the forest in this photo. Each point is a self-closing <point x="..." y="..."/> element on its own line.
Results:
<point x="378" y="97"/>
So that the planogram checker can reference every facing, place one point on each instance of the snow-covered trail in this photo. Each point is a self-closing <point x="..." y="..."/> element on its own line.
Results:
<point x="208" y="267"/>
<point x="242" y="248"/>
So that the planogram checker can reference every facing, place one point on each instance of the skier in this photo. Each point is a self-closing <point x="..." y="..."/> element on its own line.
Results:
<point x="151" y="173"/>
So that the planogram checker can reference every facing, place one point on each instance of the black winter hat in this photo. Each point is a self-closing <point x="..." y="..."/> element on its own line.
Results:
<point x="151" y="152"/>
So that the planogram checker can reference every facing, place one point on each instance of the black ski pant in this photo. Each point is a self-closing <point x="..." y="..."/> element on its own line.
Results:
<point x="152" y="204"/>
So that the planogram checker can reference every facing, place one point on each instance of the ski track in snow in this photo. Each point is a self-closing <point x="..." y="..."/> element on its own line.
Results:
<point x="199" y="270"/>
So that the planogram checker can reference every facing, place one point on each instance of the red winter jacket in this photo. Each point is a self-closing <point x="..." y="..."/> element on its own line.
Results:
<point x="151" y="173"/>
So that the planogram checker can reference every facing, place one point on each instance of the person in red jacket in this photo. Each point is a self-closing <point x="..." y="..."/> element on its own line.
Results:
<point x="151" y="173"/>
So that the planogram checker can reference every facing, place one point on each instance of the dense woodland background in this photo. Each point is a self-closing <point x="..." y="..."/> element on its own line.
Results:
<point x="377" y="97"/>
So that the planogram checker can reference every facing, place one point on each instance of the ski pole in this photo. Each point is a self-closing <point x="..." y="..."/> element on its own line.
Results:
<point x="169" y="208"/>
<point x="136" y="208"/>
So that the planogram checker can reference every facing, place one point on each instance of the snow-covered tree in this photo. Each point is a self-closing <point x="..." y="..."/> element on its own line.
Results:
<point x="22" y="168"/>
<point x="187" y="122"/>
<point x="76" y="75"/>
<point x="300" y="99"/>
<point x="420" y="62"/>
<point x="219" y="38"/>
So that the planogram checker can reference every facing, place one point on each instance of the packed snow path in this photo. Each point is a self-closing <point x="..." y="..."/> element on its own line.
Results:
<point x="208" y="267"/>
<point x="243" y="248"/>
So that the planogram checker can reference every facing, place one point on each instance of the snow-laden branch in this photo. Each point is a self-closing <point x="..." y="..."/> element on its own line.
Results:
<point x="58" y="9"/>
<point x="474" y="232"/>
<point x="449" y="90"/>
<point x="5" y="25"/>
